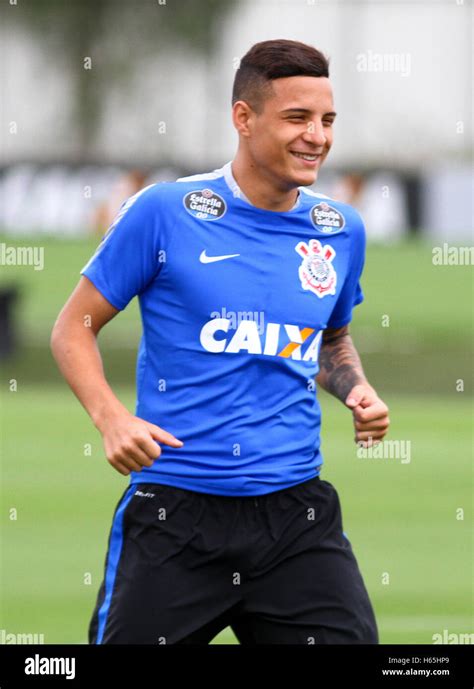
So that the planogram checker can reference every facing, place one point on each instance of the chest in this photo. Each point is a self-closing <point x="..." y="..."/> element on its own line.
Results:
<point x="287" y="273"/>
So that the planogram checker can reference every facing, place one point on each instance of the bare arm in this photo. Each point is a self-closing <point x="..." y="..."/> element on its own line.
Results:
<point x="74" y="346"/>
<point x="342" y="375"/>
<point x="128" y="440"/>
<point x="340" y="364"/>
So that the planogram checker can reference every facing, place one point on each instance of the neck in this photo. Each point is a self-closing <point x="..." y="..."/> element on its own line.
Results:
<point x="261" y="190"/>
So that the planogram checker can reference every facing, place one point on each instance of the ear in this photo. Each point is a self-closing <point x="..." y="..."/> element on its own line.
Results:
<point x="242" y="116"/>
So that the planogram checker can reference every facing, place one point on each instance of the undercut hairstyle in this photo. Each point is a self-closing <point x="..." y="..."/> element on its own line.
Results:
<point x="271" y="60"/>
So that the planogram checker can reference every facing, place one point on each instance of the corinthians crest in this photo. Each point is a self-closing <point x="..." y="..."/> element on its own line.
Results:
<point x="316" y="270"/>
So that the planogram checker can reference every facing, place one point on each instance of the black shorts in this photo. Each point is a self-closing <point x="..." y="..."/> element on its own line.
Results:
<point x="277" y="568"/>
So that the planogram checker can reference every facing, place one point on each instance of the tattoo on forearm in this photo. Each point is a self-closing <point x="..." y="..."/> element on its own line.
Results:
<point x="340" y="365"/>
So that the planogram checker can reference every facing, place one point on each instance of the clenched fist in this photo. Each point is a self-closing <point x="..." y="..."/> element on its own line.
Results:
<point x="370" y="414"/>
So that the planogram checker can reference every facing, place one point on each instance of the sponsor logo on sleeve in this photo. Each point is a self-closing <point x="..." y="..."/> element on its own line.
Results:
<point x="327" y="219"/>
<point x="205" y="204"/>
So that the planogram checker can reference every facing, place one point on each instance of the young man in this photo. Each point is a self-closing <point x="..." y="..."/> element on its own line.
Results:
<point x="246" y="281"/>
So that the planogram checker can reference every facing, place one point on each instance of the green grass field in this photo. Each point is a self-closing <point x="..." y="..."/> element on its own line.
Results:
<point x="402" y="519"/>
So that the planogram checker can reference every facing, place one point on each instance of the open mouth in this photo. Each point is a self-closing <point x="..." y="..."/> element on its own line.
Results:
<point x="310" y="158"/>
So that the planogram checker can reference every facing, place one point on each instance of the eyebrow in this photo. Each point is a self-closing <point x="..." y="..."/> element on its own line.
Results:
<point x="306" y="111"/>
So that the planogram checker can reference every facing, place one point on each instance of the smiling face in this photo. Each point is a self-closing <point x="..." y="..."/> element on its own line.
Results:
<point x="290" y="138"/>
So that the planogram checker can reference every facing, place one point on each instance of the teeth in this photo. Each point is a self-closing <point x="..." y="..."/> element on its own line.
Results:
<point x="305" y="156"/>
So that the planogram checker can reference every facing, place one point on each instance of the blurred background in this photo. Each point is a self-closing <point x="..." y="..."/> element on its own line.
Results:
<point x="102" y="97"/>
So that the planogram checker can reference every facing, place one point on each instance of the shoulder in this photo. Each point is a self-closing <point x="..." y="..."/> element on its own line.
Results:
<point x="165" y="194"/>
<point x="202" y="177"/>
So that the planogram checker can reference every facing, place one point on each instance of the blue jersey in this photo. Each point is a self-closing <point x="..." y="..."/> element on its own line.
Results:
<point x="233" y="300"/>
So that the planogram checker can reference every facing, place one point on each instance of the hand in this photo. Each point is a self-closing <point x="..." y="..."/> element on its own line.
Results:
<point x="129" y="441"/>
<point x="370" y="414"/>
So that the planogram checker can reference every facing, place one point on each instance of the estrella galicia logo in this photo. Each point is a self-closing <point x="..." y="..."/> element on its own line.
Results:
<point x="327" y="219"/>
<point x="205" y="204"/>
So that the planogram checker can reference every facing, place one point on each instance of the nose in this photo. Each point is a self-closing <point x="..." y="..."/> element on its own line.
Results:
<point x="315" y="133"/>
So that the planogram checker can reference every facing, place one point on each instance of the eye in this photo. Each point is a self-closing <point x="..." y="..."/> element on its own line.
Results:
<point x="296" y="118"/>
<point x="328" y="123"/>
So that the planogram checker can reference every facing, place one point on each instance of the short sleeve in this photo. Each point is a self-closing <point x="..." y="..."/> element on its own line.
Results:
<point x="351" y="293"/>
<point x="127" y="258"/>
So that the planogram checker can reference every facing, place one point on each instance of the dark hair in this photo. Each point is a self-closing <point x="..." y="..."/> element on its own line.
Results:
<point x="270" y="60"/>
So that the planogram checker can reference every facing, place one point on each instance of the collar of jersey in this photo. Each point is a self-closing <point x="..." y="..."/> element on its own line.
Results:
<point x="239" y="194"/>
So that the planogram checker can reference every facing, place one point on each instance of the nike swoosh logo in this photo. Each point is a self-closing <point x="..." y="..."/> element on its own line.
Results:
<point x="211" y="259"/>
